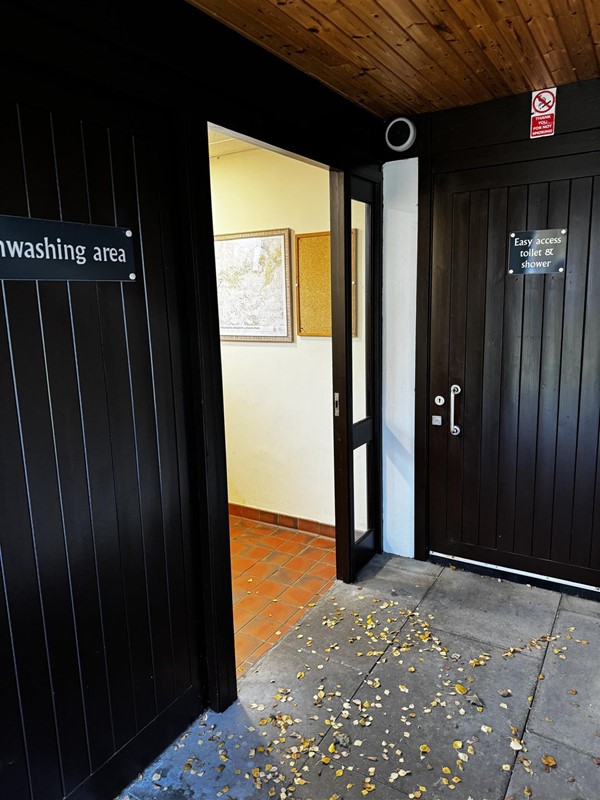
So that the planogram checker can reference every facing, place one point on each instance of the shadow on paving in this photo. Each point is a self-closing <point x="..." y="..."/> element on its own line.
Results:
<point x="419" y="681"/>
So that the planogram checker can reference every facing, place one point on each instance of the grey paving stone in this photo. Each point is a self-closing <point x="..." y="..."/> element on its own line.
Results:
<point x="558" y="713"/>
<point x="555" y="783"/>
<point x="323" y="784"/>
<point x="402" y="710"/>
<point x="393" y="581"/>
<point x="385" y="567"/>
<point x="260" y="690"/>
<point x="580" y="605"/>
<point x="216" y="751"/>
<point x="502" y="613"/>
<point x="355" y="625"/>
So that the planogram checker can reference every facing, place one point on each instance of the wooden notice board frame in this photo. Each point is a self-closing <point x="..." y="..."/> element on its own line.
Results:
<point x="313" y="284"/>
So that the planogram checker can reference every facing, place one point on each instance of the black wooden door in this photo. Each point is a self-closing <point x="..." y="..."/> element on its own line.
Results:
<point x="97" y="637"/>
<point x="519" y="486"/>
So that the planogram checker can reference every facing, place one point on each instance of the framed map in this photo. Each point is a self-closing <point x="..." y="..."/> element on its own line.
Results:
<point x="254" y="286"/>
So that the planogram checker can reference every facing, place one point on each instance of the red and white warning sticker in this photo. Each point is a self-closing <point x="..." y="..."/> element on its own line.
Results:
<point x="543" y="113"/>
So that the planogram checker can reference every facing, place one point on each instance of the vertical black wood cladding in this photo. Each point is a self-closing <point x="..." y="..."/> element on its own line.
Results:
<point x="89" y="376"/>
<point x="472" y="396"/>
<point x="122" y="436"/>
<point x="456" y="357"/>
<point x="37" y="718"/>
<point x="492" y="365"/>
<point x="554" y="293"/>
<point x="533" y="308"/>
<point x="439" y="384"/>
<point x="95" y="622"/>
<point x="145" y="426"/>
<point x="159" y="295"/>
<point x="570" y="370"/>
<point x="39" y="440"/>
<point x="589" y="408"/>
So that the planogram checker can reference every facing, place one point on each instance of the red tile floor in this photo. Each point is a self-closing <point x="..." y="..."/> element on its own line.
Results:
<point x="277" y="574"/>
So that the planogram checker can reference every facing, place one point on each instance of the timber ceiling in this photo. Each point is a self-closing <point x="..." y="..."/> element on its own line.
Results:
<point x="411" y="56"/>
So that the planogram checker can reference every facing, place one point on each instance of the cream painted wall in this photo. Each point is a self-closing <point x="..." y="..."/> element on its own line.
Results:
<point x="278" y="397"/>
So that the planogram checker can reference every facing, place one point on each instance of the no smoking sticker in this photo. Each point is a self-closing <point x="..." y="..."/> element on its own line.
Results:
<point x="543" y="113"/>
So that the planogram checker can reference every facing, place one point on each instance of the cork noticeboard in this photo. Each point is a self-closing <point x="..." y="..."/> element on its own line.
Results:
<point x="313" y="284"/>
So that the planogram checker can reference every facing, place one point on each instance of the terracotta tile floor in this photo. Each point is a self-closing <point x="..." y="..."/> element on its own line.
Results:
<point x="277" y="574"/>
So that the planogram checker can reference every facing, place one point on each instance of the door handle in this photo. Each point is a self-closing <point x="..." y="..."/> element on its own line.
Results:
<point x="454" y="390"/>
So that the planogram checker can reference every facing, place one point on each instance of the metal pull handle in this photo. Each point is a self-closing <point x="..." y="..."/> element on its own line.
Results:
<point x="454" y="390"/>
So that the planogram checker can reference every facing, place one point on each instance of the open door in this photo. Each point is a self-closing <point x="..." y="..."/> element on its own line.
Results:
<point x="356" y="331"/>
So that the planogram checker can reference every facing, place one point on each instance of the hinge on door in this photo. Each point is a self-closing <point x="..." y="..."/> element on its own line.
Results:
<point x="336" y="404"/>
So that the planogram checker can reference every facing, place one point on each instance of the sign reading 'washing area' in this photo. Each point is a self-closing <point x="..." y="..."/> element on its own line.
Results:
<point x="44" y="250"/>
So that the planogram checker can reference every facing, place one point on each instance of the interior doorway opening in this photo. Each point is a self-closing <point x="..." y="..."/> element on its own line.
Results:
<point x="277" y="384"/>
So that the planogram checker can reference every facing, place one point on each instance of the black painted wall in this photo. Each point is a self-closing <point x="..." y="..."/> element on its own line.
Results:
<point x="98" y="621"/>
<point x="114" y="629"/>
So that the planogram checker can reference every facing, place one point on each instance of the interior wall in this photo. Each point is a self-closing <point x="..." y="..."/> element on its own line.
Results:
<point x="277" y="397"/>
<point x="399" y="347"/>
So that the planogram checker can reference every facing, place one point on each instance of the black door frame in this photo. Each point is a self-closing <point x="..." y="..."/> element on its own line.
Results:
<point x="364" y="185"/>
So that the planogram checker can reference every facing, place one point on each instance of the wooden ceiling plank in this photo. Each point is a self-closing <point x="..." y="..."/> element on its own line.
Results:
<point x="592" y="8"/>
<point x="493" y="41"/>
<point x="316" y="25"/>
<point x="539" y="17"/>
<point x="451" y="29"/>
<point x="447" y="80"/>
<point x="519" y="34"/>
<point x="581" y="57"/>
<point x="283" y="41"/>
<point x="573" y="22"/>
<point x="407" y="62"/>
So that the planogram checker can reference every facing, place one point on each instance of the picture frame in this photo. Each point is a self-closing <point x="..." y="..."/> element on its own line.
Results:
<point x="254" y="286"/>
<point x="313" y="284"/>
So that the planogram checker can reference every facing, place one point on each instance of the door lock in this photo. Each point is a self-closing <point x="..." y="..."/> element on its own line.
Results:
<point x="439" y="400"/>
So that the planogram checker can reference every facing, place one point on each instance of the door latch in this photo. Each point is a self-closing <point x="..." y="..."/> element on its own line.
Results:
<point x="336" y="404"/>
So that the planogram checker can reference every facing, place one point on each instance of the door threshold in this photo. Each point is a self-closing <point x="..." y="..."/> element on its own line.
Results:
<point x="543" y="581"/>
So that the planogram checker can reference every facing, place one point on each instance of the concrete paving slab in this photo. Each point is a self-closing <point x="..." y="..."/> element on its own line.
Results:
<point x="323" y="783"/>
<point x="217" y="751"/>
<point x="567" y="703"/>
<point x="385" y="567"/>
<point x="580" y="605"/>
<point x="502" y="613"/>
<point x="575" y="776"/>
<point x="309" y="687"/>
<point x="355" y="624"/>
<point x="420" y="722"/>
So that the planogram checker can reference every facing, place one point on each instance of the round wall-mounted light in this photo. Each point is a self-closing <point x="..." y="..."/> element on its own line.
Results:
<point x="400" y="134"/>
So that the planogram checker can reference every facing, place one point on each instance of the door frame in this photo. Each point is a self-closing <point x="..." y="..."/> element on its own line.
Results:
<point x="365" y="185"/>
